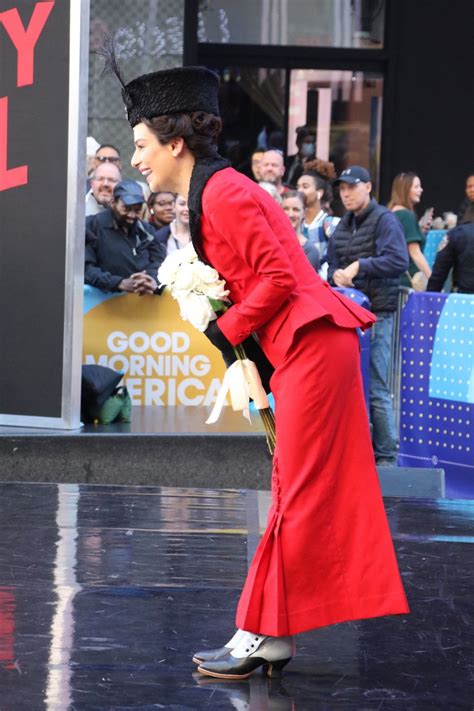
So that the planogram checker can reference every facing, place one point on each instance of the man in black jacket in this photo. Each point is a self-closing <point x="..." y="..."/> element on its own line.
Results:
<point x="457" y="254"/>
<point x="122" y="252"/>
<point x="367" y="251"/>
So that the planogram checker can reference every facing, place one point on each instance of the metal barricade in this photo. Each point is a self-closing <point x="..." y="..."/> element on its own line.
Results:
<point x="395" y="372"/>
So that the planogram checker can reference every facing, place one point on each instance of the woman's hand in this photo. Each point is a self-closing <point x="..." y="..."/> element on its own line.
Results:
<point x="217" y="338"/>
<point x="426" y="221"/>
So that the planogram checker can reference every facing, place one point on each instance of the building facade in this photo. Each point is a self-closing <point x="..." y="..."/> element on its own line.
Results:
<point x="384" y="83"/>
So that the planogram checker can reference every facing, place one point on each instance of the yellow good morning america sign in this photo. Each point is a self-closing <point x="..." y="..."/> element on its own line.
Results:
<point x="165" y="360"/>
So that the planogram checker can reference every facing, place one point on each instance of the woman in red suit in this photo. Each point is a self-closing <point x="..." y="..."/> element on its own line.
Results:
<point x="326" y="555"/>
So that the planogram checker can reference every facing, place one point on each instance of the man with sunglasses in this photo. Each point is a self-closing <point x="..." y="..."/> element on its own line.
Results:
<point x="107" y="153"/>
<point x="122" y="253"/>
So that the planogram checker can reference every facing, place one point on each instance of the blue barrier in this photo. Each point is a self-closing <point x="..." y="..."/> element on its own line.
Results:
<point x="433" y="240"/>
<point x="437" y="387"/>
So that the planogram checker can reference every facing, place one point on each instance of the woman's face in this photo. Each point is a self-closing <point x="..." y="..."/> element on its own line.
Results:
<point x="415" y="191"/>
<point x="295" y="210"/>
<point x="155" y="162"/>
<point x="470" y="188"/>
<point x="182" y="212"/>
<point x="307" y="186"/>
<point x="163" y="207"/>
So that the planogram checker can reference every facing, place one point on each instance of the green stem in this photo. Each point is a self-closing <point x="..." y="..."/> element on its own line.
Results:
<point x="240" y="352"/>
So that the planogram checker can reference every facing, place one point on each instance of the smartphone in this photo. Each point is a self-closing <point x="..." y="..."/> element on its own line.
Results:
<point x="427" y="218"/>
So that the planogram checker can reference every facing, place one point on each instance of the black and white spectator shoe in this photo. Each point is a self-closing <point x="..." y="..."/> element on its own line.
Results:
<point x="251" y="652"/>
<point x="211" y="654"/>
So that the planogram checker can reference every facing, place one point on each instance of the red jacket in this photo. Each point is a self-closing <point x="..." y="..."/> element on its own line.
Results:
<point x="248" y="238"/>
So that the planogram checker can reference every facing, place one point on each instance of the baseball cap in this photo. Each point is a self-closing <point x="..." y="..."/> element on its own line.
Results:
<point x="129" y="192"/>
<point x="354" y="174"/>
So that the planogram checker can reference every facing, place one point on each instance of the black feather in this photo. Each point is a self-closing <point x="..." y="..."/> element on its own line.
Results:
<point x="107" y="52"/>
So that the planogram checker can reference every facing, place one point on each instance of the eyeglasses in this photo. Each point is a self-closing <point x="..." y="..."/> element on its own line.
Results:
<point x="108" y="159"/>
<point x="103" y="179"/>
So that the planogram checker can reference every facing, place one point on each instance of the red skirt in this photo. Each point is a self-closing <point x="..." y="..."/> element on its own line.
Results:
<point x="326" y="555"/>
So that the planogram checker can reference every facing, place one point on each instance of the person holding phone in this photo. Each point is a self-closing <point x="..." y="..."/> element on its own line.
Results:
<point x="406" y="194"/>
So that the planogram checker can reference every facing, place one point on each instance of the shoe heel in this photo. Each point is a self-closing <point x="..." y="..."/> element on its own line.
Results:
<point x="274" y="669"/>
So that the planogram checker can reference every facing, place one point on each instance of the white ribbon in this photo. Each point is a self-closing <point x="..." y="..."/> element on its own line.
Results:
<point x="243" y="382"/>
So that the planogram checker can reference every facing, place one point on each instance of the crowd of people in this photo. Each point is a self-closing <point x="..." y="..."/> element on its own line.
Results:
<point x="129" y="231"/>
<point x="307" y="189"/>
<point x="348" y="238"/>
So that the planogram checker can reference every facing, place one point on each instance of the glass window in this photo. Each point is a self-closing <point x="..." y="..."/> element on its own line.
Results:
<point x="252" y="104"/>
<point x="316" y="23"/>
<point x="342" y="108"/>
<point x="345" y="110"/>
<point x="149" y="36"/>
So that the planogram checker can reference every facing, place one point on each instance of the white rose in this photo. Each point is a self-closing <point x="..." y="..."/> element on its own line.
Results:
<point x="187" y="254"/>
<point x="186" y="280"/>
<point x="169" y="269"/>
<point x="196" y="309"/>
<point x="215" y="291"/>
<point x="206" y="274"/>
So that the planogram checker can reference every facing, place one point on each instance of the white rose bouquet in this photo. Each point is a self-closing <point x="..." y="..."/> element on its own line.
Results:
<point x="201" y="295"/>
<point x="195" y="286"/>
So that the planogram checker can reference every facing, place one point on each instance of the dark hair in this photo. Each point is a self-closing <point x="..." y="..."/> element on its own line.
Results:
<point x="152" y="197"/>
<point x="318" y="181"/>
<point x="199" y="130"/>
<point x="303" y="132"/>
<point x="108" y="145"/>
<point x="468" y="215"/>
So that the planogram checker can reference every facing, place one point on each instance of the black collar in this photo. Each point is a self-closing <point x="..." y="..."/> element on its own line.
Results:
<point x="203" y="170"/>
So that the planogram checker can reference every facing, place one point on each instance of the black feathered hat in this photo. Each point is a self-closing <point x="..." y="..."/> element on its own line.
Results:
<point x="179" y="90"/>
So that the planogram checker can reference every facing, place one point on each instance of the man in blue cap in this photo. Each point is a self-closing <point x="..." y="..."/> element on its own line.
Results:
<point x="368" y="252"/>
<point x="122" y="253"/>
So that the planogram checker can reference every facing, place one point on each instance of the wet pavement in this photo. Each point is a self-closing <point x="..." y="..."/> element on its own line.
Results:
<point x="106" y="591"/>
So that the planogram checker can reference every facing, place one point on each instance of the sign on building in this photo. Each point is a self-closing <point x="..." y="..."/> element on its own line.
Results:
<point x="43" y="113"/>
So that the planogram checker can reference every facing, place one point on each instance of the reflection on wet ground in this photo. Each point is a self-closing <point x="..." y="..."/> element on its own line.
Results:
<point x="105" y="592"/>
